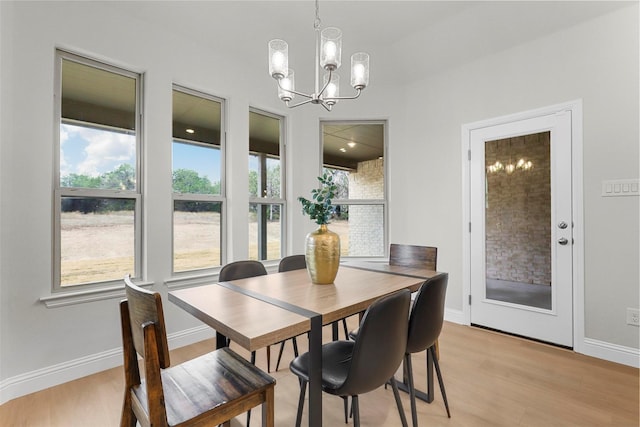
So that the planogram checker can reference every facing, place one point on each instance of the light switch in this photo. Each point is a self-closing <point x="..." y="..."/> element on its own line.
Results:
<point x="620" y="187"/>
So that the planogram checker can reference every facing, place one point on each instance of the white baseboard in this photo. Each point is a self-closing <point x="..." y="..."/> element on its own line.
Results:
<point x="599" y="349"/>
<point x="454" y="316"/>
<point x="50" y="376"/>
<point x="611" y="352"/>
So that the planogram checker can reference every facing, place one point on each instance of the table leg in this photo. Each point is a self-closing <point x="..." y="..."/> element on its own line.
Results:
<point x="315" y="372"/>
<point x="221" y="340"/>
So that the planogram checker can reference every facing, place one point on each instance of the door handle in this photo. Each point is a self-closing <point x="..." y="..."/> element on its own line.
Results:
<point x="563" y="241"/>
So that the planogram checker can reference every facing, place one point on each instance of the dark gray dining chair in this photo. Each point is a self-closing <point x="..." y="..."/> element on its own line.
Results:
<point x="289" y="263"/>
<point x="351" y="368"/>
<point x="242" y="270"/>
<point x="425" y="325"/>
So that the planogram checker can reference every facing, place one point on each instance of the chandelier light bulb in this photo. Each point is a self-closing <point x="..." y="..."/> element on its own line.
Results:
<point x="330" y="51"/>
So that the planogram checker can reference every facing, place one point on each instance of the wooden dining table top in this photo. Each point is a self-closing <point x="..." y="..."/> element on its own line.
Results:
<point x="353" y="290"/>
<point x="264" y="310"/>
<point x="250" y="322"/>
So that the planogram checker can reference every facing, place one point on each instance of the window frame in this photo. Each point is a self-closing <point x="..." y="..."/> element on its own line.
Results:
<point x="197" y="197"/>
<point x="60" y="192"/>
<point x="282" y="200"/>
<point x="365" y="202"/>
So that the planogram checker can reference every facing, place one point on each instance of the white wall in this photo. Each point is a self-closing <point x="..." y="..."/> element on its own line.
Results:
<point x="42" y="346"/>
<point x="597" y="61"/>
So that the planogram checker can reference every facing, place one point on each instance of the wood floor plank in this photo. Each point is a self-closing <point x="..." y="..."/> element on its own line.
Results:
<point x="491" y="380"/>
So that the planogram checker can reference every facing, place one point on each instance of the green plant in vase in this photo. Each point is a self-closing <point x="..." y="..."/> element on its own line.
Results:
<point x="322" y="245"/>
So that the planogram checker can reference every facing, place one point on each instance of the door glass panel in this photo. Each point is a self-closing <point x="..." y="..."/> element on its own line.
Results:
<point x="518" y="220"/>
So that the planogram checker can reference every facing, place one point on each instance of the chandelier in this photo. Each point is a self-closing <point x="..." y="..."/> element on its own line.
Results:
<point x="522" y="164"/>
<point x="328" y="47"/>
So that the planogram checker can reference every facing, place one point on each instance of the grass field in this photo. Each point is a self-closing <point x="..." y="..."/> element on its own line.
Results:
<point x="99" y="247"/>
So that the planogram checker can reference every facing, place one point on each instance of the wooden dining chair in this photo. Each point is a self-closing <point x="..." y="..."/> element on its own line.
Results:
<point x="208" y="390"/>
<point x="351" y="368"/>
<point x="414" y="256"/>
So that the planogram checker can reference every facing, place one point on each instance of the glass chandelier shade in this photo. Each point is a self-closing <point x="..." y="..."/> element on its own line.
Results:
<point x="331" y="52"/>
<point x="278" y="58"/>
<point x="287" y="84"/>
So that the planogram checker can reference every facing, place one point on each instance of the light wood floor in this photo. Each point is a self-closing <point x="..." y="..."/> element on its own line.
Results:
<point x="491" y="380"/>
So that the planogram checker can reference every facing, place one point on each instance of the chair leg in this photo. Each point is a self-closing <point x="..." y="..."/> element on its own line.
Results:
<point x="253" y="362"/>
<point x="345" y="400"/>
<point x="396" y="396"/>
<point x="303" y="390"/>
<point x="128" y="416"/>
<point x="412" y="389"/>
<point x="436" y="364"/>
<point x="280" y="355"/>
<point x="356" y="411"/>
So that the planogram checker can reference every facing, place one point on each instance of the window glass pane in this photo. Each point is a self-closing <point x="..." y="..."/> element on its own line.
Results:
<point x="354" y="153"/>
<point x="265" y="229"/>
<point x="264" y="157"/>
<point x="269" y="183"/>
<point x="196" y="168"/>
<point x="196" y="144"/>
<point x="97" y="128"/>
<point x="360" y="228"/>
<point x="196" y="235"/>
<point x="97" y="239"/>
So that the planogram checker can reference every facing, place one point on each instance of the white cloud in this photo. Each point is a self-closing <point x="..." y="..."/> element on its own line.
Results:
<point x="104" y="150"/>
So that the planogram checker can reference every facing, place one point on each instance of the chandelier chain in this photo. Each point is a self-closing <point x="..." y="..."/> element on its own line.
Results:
<point x="316" y="22"/>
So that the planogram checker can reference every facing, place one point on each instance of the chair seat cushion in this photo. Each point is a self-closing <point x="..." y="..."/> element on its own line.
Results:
<point x="336" y="360"/>
<point x="206" y="382"/>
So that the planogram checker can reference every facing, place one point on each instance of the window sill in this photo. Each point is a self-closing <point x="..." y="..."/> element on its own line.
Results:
<point x="62" y="299"/>
<point x="188" y="280"/>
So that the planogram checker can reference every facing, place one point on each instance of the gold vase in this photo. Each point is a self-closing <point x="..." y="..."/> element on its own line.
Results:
<point x="323" y="255"/>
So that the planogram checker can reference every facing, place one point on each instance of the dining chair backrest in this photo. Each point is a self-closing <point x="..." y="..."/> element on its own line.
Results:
<point x="145" y="307"/>
<point x="427" y="314"/>
<point x="379" y="348"/>
<point x="414" y="256"/>
<point x="241" y="270"/>
<point x="292" y="262"/>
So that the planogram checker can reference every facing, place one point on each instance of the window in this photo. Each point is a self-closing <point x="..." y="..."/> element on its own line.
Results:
<point x="266" y="175"/>
<point x="353" y="152"/>
<point x="197" y="180"/>
<point x="98" y="189"/>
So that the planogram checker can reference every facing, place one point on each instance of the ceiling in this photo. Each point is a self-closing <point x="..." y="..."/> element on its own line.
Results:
<point x="407" y="40"/>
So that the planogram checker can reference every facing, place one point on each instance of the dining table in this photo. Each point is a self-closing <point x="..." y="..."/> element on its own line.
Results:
<point x="259" y="311"/>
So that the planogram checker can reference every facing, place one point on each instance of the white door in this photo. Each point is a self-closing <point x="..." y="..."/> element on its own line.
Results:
<point x="521" y="228"/>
